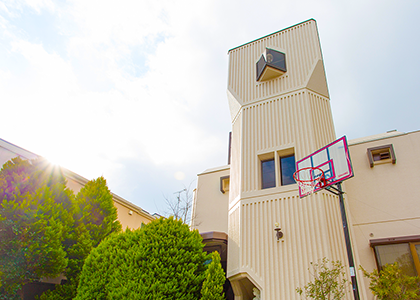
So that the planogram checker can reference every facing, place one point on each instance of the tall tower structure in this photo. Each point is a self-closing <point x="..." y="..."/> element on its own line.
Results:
<point x="280" y="110"/>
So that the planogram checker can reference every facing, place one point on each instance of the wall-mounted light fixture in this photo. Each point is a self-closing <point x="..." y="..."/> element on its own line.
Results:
<point x="279" y="234"/>
<point x="130" y="212"/>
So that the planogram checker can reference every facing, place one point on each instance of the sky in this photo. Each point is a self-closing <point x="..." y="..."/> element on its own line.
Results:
<point x="135" y="91"/>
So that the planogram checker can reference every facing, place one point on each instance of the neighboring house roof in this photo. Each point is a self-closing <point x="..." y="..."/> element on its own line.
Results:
<point x="216" y="169"/>
<point x="9" y="151"/>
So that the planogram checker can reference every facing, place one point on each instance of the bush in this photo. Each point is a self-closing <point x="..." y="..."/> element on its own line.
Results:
<point x="329" y="283"/>
<point x="392" y="284"/>
<point x="214" y="279"/>
<point x="162" y="260"/>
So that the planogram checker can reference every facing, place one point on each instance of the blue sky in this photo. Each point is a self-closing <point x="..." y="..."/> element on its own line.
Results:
<point x="136" y="90"/>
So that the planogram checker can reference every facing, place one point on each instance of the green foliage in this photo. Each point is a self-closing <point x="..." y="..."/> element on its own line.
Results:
<point x="45" y="230"/>
<point x="214" y="279"/>
<point x="162" y="260"/>
<point x="33" y="223"/>
<point x="61" y="292"/>
<point x="329" y="283"/>
<point x="97" y="211"/>
<point x="392" y="284"/>
<point x="95" y="217"/>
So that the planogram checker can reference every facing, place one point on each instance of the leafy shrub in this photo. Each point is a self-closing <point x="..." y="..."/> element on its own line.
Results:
<point x="329" y="283"/>
<point x="392" y="284"/>
<point x="214" y="279"/>
<point x="162" y="260"/>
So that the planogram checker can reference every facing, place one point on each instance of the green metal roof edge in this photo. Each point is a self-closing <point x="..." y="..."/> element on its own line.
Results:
<point x="272" y="34"/>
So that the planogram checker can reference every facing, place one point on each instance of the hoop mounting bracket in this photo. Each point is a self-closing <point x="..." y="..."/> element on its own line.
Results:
<point x="336" y="191"/>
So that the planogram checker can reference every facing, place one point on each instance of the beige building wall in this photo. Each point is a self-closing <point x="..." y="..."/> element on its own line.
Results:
<point x="382" y="200"/>
<point x="211" y="213"/>
<point x="270" y="119"/>
<point x="291" y="114"/>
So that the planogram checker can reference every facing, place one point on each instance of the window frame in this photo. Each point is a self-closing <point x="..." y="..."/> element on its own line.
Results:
<point x="224" y="184"/>
<point x="275" y="156"/>
<point x="281" y="168"/>
<point x="412" y="241"/>
<point x="415" y="256"/>
<point x="371" y="152"/>
<point x="273" y="174"/>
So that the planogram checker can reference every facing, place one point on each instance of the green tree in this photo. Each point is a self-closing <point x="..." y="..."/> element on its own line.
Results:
<point x="45" y="230"/>
<point x="392" y="284"/>
<point x="95" y="217"/>
<point x="214" y="279"/>
<point x="162" y="260"/>
<point x="329" y="283"/>
<point x="35" y="208"/>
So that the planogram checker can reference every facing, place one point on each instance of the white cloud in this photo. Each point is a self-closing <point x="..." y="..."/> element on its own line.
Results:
<point x="39" y="5"/>
<point x="119" y="23"/>
<point x="144" y="82"/>
<point x="14" y="7"/>
<point x="51" y="73"/>
<point x="131" y="113"/>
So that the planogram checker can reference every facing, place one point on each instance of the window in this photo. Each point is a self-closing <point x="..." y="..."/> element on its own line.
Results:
<point x="224" y="184"/>
<point x="268" y="174"/>
<point x="405" y="251"/>
<point x="280" y="165"/>
<point x="381" y="155"/>
<point x="287" y="168"/>
<point x="272" y="64"/>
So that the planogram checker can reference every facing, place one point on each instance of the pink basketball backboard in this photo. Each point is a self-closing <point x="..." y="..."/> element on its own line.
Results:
<point x="333" y="160"/>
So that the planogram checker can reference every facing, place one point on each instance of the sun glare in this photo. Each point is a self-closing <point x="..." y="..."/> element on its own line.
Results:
<point x="59" y="160"/>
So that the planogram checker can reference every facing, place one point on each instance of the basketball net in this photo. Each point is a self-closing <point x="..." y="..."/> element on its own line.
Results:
<point x="307" y="180"/>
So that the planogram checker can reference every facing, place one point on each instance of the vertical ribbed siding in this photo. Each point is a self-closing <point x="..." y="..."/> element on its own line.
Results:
<point x="279" y="264"/>
<point x="236" y="158"/>
<point x="233" y="261"/>
<point x="275" y="115"/>
<point x="301" y="54"/>
<point x="302" y="118"/>
<point x="322" y="121"/>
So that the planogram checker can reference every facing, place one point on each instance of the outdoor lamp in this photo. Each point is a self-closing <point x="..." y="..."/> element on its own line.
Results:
<point x="279" y="234"/>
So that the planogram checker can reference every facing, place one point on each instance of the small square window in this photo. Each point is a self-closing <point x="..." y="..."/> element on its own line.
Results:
<point x="272" y="64"/>
<point x="381" y="154"/>
<point x="224" y="184"/>
<point x="277" y="168"/>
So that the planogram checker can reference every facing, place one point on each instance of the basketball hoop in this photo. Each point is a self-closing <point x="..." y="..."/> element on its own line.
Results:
<point x="309" y="179"/>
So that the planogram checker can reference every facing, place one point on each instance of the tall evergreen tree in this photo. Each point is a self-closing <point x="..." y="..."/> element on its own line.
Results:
<point x="214" y="279"/>
<point x="35" y="215"/>
<point x="45" y="230"/>
<point x="95" y="218"/>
